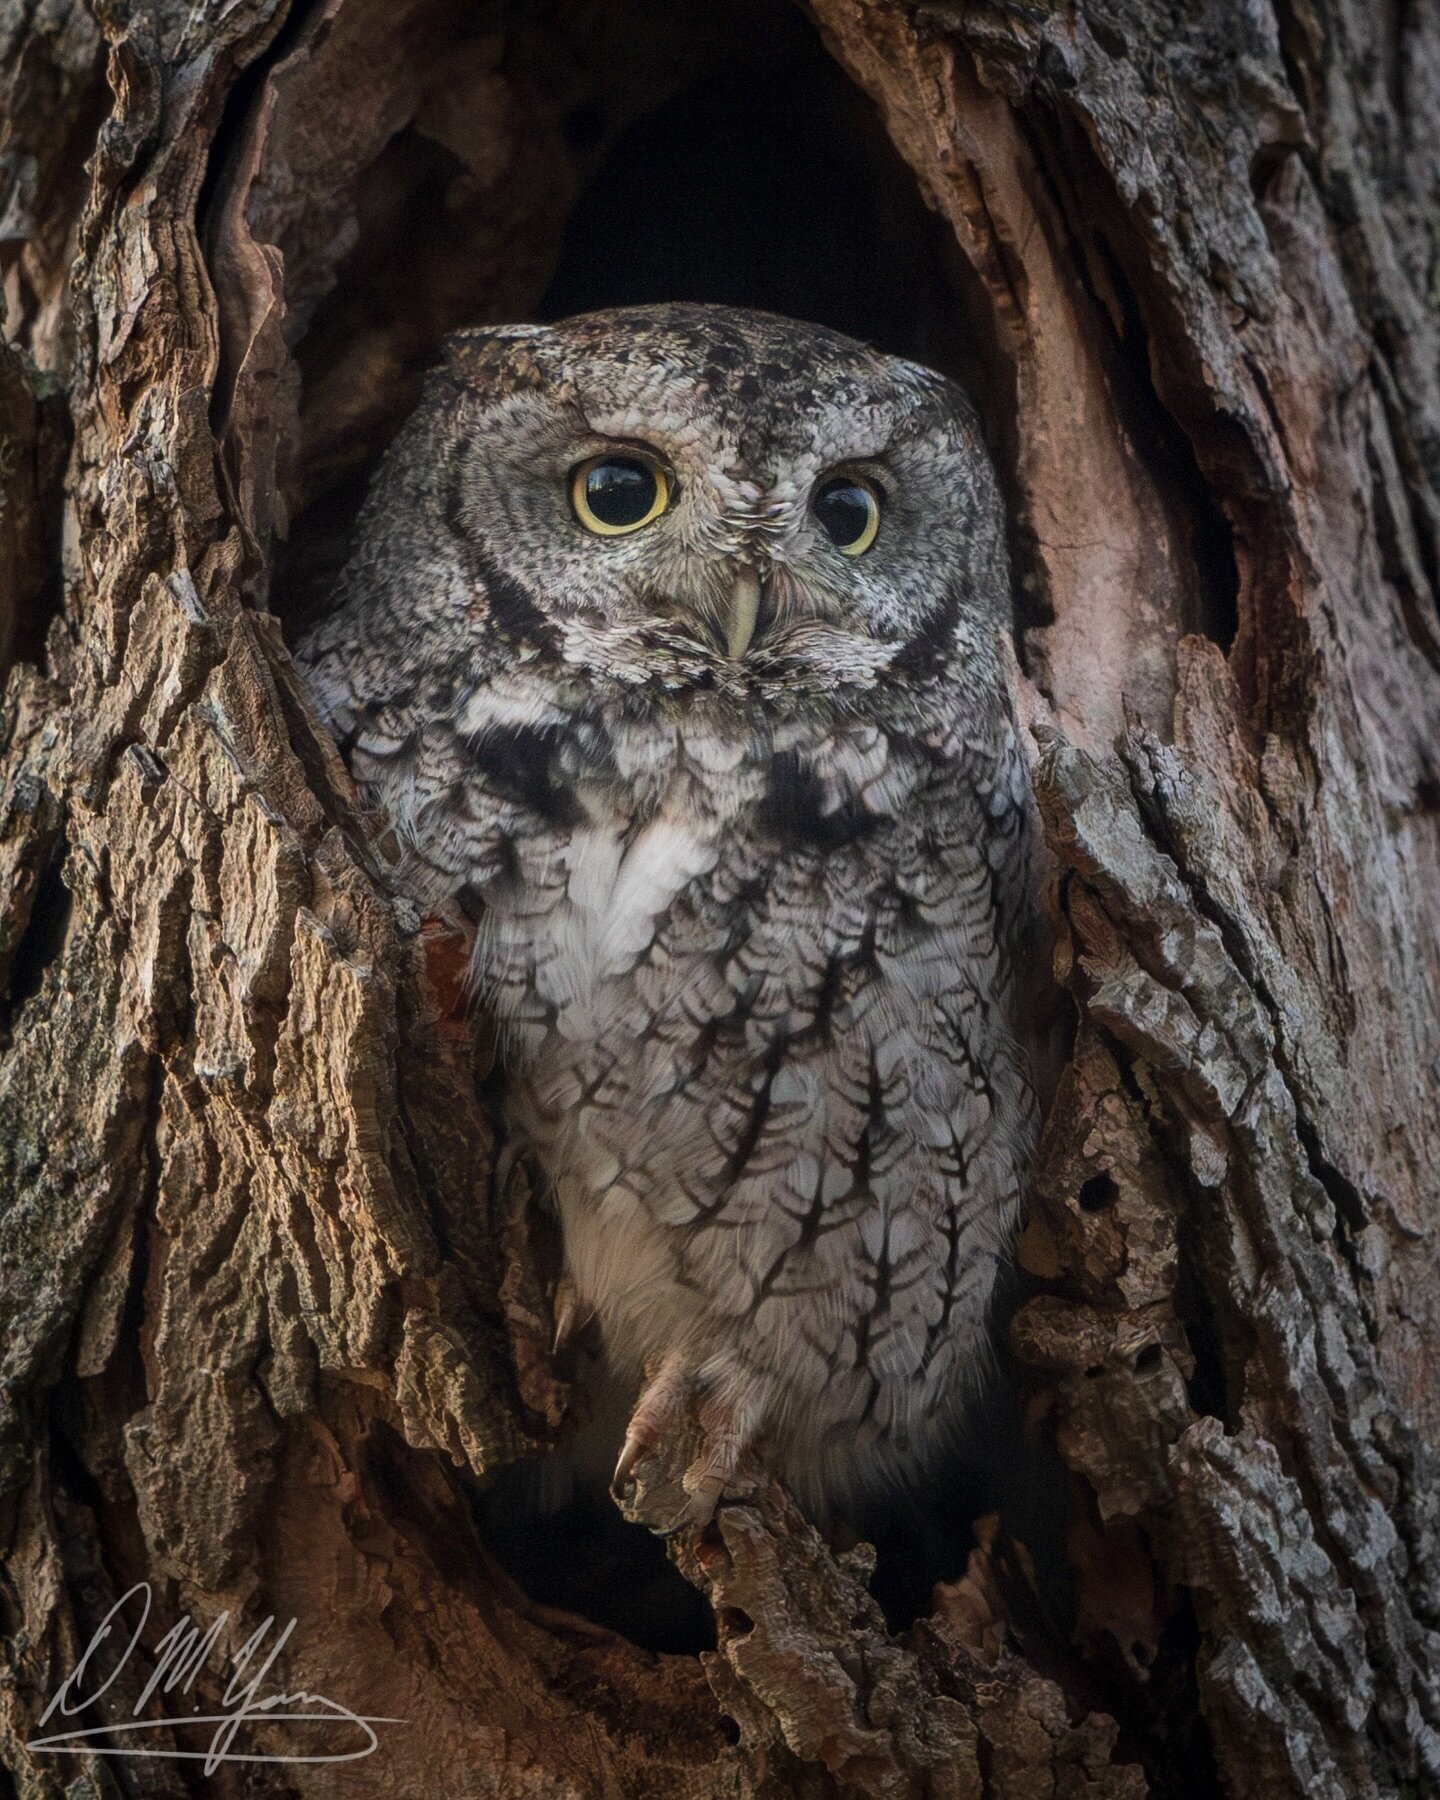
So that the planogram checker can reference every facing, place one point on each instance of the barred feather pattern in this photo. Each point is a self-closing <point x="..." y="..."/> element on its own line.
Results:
<point x="749" y="926"/>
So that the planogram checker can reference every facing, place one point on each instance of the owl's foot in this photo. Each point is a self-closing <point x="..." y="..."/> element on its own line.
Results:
<point x="729" y="1426"/>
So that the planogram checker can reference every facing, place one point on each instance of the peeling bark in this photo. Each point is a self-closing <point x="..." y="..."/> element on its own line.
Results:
<point x="274" y="1309"/>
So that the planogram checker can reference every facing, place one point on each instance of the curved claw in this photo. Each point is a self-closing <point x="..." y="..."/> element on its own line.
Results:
<point x="570" y="1317"/>
<point x="660" y="1407"/>
<point x="631" y="1451"/>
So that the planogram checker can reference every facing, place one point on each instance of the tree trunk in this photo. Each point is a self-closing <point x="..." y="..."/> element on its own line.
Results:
<point x="271" y="1312"/>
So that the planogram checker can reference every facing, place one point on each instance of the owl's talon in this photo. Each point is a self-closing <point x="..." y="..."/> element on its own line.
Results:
<point x="570" y="1317"/>
<point x="630" y="1453"/>
<point x="659" y="1408"/>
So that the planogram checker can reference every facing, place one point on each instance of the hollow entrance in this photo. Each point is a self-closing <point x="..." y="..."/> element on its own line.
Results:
<point x="532" y="164"/>
<point x="768" y="182"/>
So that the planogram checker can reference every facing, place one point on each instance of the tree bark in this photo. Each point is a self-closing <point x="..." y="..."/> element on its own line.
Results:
<point x="271" y="1310"/>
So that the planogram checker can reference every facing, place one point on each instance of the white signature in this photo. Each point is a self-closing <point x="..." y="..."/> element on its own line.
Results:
<point x="179" y="1657"/>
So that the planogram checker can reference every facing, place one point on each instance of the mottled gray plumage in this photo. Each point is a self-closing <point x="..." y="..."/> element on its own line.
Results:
<point x="747" y="899"/>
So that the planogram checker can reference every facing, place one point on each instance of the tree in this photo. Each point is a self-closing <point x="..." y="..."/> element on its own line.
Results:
<point x="270" y="1311"/>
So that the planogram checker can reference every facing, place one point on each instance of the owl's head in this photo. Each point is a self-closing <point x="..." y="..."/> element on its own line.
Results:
<point x="693" y="498"/>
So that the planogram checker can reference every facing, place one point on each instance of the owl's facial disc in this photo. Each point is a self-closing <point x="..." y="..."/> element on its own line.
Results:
<point x="698" y="500"/>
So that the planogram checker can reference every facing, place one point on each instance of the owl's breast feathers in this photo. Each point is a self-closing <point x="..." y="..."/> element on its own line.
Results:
<point x="756" y="979"/>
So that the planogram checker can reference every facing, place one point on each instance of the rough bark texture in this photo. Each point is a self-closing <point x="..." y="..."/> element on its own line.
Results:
<point x="269" y="1314"/>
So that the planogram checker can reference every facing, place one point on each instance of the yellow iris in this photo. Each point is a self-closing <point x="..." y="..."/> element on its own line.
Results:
<point x="848" y="508"/>
<point x="615" y="495"/>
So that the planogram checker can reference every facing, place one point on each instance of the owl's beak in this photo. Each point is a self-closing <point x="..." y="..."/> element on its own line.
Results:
<point x="744" y="611"/>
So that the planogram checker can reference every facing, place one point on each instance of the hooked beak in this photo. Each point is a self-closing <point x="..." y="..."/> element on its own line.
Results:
<point x="743" y="613"/>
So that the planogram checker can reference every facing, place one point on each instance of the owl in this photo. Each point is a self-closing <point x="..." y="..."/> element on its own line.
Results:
<point x="670" y="646"/>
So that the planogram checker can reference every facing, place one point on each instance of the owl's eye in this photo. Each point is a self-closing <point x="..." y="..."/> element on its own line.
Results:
<point x="613" y="495"/>
<point x="849" y="513"/>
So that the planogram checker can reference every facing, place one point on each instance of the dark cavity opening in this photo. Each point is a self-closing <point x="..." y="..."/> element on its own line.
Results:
<point x="586" y="1558"/>
<point x="1097" y="1193"/>
<point x="768" y="183"/>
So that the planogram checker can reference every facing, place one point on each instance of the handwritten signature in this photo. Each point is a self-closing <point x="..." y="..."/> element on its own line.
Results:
<point x="179" y="1657"/>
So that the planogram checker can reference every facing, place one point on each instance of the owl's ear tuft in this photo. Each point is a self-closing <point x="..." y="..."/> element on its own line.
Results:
<point x="486" y="352"/>
<point x="459" y="341"/>
<point x="482" y="343"/>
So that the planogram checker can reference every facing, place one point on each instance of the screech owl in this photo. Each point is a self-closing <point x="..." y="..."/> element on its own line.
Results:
<point x="670" y="645"/>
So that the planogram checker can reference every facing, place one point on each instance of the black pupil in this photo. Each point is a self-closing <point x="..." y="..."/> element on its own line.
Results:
<point x="843" y="509"/>
<point x="621" y="491"/>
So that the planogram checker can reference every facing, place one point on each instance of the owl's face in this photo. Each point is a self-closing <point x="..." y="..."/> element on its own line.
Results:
<point x="705" y="498"/>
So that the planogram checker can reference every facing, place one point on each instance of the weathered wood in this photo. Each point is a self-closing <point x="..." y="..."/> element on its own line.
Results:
<point x="270" y="1313"/>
